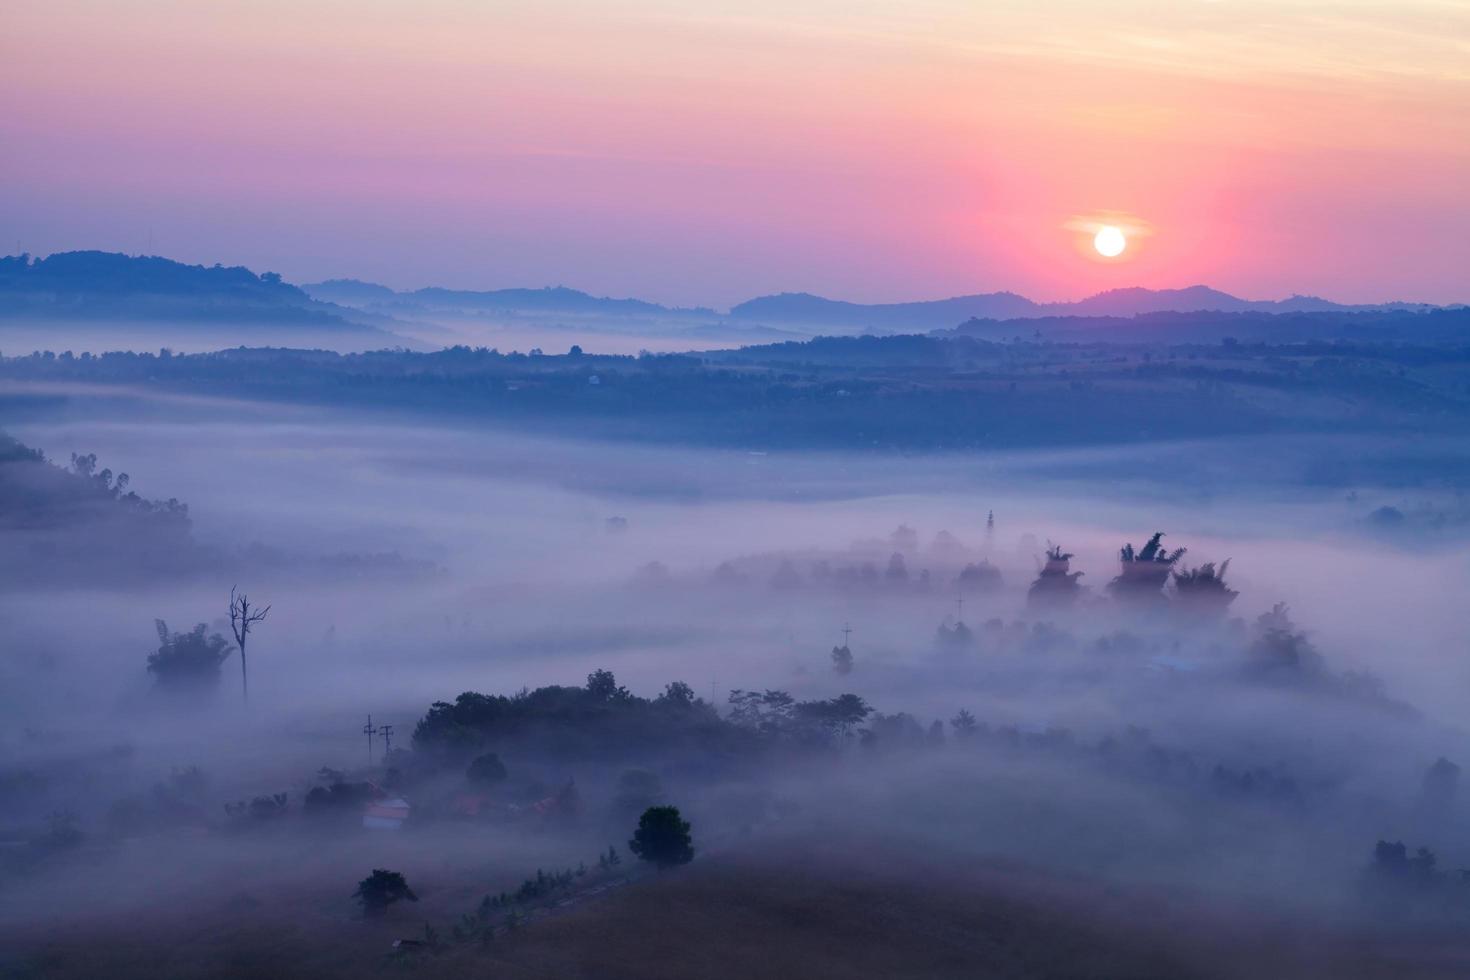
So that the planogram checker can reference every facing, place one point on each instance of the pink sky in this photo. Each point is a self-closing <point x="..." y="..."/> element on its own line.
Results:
<point x="705" y="151"/>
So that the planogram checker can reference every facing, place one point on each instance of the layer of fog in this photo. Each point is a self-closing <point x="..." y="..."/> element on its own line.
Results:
<point x="540" y="585"/>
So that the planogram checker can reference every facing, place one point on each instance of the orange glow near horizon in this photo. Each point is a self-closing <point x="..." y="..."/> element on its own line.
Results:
<point x="706" y="151"/>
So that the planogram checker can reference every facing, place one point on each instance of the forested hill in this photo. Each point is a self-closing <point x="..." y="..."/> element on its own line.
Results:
<point x="100" y="286"/>
<point x="905" y="392"/>
<point x="82" y="524"/>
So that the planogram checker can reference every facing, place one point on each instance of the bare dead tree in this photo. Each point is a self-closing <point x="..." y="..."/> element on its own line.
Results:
<point x="243" y="616"/>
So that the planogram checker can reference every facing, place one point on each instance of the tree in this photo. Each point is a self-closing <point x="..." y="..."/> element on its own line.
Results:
<point x="187" y="661"/>
<point x="662" y="837"/>
<point x="837" y="715"/>
<point x="1142" y="573"/>
<point x="1055" y="584"/>
<point x="1203" y="589"/>
<point x="603" y="686"/>
<point x="842" y="660"/>
<point x="677" y="694"/>
<point x="486" y="770"/>
<point x="963" y="723"/>
<point x="381" y="889"/>
<point x="243" y="616"/>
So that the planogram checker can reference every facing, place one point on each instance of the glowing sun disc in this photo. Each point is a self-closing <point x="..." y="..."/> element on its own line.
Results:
<point x="1109" y="241"/>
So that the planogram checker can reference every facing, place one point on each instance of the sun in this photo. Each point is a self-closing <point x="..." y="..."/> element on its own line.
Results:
<point x="1109" y="241"/>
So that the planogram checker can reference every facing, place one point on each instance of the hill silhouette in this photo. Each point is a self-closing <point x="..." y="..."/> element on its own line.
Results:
<point x="805" y="308"/>
<point x="103" y="286"/>
<point x="813" y="312"/>
<point x="100" y="287"/>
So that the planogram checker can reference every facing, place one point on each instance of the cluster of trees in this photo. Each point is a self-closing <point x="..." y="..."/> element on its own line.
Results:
<point x="777" y="715"/>
<point x="337" y="797"/>
<point x="1399" y="884"/>
<point x="603" y="720"/>
<point x="1143" y="575"/>
<point x="1282" y="654"/>
<point x="1056" y="584"/>
<point x="79" y="524"/>
<point x="1204" y="588"/>
<point x="599" y="720"/>
<point x="189" y="663"/>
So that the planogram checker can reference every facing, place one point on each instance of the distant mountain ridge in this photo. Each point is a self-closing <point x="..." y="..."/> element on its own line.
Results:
<point x="931" y="314"/>
<point x="101" y="286"/>
<point x="548" y="299"/>
<point x="810" y="310"/>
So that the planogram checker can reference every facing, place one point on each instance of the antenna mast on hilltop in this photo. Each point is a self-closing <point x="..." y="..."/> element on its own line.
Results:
<point x="369" y="731"/>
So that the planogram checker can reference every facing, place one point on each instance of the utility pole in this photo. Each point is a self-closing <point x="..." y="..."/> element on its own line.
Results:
<point x="959" y="609"/>
<point x="846" y="632"/>
<point x="387" y="732"/>
<point x="369" y="731"/>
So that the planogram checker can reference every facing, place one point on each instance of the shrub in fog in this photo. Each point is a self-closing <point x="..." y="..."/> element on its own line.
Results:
<point x="1055" y="584"/>
<point x="1142" y="574"/>
<point x="1203" y="589"/>
<point x="189" y="661"/>
<point x="663" y="837"/>
<point x="381" y="889"/>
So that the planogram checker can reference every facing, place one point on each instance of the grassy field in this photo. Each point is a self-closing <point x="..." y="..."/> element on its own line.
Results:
<point x="794" y="910"/>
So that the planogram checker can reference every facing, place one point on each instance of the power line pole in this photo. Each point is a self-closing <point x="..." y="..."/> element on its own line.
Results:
<point x="369" y="731"/>
<point x="387" y="732"/>
<point x="846" y="632"/>
<point x="959" y="607"/>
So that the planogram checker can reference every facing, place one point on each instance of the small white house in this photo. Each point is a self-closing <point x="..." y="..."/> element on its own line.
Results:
<point x="385" y="814"/>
